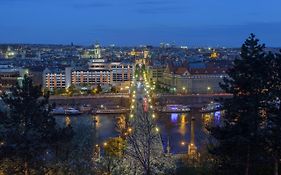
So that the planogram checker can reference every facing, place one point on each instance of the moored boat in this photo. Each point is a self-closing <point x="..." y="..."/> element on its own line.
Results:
<point x="174" y="108"/>
<point x="211" y="107"/>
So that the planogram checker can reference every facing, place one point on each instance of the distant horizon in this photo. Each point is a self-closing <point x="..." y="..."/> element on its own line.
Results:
<point x="139" y="45"/>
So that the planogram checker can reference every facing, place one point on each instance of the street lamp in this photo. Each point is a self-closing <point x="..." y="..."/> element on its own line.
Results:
<point x="157" y="129"/>
<point x="209" y="89"/>
<point x="182" y="143"/>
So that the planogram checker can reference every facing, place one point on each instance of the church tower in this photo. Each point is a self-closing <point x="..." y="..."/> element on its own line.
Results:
<point x="97" y="51"/>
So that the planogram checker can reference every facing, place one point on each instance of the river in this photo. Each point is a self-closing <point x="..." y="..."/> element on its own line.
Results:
<point x="175" y="128"/>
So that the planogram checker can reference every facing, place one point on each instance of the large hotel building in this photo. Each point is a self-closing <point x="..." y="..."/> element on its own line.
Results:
<point x="98" y="72"/>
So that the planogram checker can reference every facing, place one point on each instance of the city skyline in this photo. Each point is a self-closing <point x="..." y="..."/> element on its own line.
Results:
<point x="132" y="23"/>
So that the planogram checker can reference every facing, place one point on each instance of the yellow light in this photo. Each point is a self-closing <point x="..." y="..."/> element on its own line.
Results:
<point x="182" y="143"/>
<point x="157" y="129"/>
<point x="104" y="144"/>
<point x="151" y="107"/>
<point x="153" y="116"/>
<point x="131" y="115"/>
<point x="129" y="129"/>
<point x="208" y="88"/>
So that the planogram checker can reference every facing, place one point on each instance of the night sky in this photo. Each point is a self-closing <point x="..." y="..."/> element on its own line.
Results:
<point x="133" y="22"/>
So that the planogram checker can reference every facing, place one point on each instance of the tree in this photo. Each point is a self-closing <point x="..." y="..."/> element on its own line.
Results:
<point x="28" y="131"/>
<point x="238" y="149"/>
<point x="145" y="147"/>
<point x="113" y="160"/>
<point x="272" y="112"/>
<point x="99" y="89"/>
<point x="72" y="90"/>
<point x="114" y="89"/>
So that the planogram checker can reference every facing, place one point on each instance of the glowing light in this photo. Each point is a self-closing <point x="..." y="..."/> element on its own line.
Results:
<point x="182" y="143"/>
<point x="157" y="129"/>
<point x="182" y="128"/>
<point x="174" y="117"/>
<point x="129" y="129"/>
<point x="67" y="121"/>
<point x="105" y="144"/>
<point x="131" y="115"/>
<point x="153" y="116"/>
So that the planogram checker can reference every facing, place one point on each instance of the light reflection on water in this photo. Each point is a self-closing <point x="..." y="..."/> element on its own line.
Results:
<point x="173" y="127"/>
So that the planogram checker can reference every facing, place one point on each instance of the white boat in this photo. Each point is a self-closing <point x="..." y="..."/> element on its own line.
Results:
<point x="62" y="111"/>
<point x="72" y="111"/>
<point x="174" y="108"/>
<point x="211" y="107"/>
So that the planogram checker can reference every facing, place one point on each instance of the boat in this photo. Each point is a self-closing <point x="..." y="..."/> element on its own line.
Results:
<point x="58" y="111"/>
<point x="174" y="108"/>
<point x="72" y="111"/>
<point x="211" y="107"/>
<point x="111" y="110"/>
<point x="62" y="111"/>
<point x="85" y="108"/>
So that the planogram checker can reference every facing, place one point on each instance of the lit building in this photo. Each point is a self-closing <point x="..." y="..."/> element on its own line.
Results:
<point x="10" y="76"/>
<point x="54" y="78"/>
<point x="98" y="72"/>
<point x="155" y="73"/>
<point x="192" y="81"/>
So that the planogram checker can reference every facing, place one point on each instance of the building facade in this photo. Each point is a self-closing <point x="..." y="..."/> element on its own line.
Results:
<point x="98" y="72"/>
<point x="54" y="78"/>
<point x="11" y="76"/>
<point x="193" y="81"/>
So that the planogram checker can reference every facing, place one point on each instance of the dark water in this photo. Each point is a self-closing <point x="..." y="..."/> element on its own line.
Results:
<point x="175" y="128"/>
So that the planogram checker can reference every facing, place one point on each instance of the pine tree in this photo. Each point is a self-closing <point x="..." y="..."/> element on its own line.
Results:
<point x="238" y="149"/>
<point x="28" y="131"/>
<point x="272" y="126"/>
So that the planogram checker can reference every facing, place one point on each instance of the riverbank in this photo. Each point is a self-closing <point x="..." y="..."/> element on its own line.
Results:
<point x="94" y="101"/>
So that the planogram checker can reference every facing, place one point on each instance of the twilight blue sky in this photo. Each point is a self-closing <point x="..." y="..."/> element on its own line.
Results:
<point x="134" y="22"/>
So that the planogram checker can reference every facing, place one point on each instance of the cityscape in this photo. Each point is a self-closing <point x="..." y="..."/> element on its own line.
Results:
<point x="177" y="105"/>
